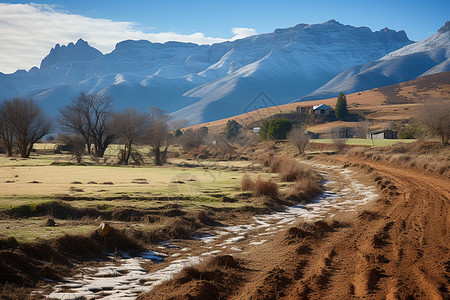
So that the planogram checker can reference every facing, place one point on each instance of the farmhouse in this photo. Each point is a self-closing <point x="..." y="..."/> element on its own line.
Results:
<point x="304" y="109"/>
<point x="382" y="134"/>
<point x="322" y="109"/>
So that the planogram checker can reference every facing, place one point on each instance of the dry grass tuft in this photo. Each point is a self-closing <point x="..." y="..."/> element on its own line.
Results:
<point x="215" y="278"/>
<point x="291" y="170"/>
<point x="247" y="183"/>
<point x="260" y="187"/>
<point x="265" y="188"/>
<point x="304" y="190"/>
<point x="167" y="228"/>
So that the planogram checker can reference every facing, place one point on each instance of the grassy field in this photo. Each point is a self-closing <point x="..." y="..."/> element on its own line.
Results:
<point x="366" y="142"/>
<point x="38" y="178"/>
<point x="189" y="185"/>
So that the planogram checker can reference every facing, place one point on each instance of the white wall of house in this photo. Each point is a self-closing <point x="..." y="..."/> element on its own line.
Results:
<point x="323" y="112"/>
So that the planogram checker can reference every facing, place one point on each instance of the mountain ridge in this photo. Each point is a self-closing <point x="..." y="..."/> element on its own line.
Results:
<point x="426" y="57"/>
<point x="204" y="82"/>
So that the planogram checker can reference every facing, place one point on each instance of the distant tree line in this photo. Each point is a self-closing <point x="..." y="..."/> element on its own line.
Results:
<point x="89" y="125"/>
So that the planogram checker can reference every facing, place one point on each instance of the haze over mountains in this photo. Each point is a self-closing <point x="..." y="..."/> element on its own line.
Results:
<point x="202" y="83"/>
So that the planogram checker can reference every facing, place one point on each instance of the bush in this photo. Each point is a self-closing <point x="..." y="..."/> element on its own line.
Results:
<point x="290" y="169"/>
<point x="260" y="187"/>
<point x="232" y="129"/>
<point x="275" y="129"/>
<point x="247" y="183"/>
<point x="407" y="131"/>
<point x="265" y="188"/>
<point x="305" y="190"/>
<point x="191" y="139"/>
<point x="339" y="144"/>
<point x="278" y="129"/>
<point x="77" y="145"/>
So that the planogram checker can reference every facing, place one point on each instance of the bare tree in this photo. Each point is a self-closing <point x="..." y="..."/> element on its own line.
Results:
<point x="192" y="139"/>
<point x="435" y="115"/>
<point x="363" y="129"/>
<point x="72" y="121"/>
<point x="177" y="124"/>
<point x="89" y="115"/>
<point x="158" y="136"/>
<point x="339" y="136"/>
<point x="76" y="144"/>
<point x="299" y="138"/>
<point x="27" y="122"/>
<point x="129" y="126"/>
<point x="6" y="131"/>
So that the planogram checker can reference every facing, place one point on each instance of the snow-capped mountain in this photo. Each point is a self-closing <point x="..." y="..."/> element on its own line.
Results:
<point x="204" y="82"/>
<point x="426" y="57"/>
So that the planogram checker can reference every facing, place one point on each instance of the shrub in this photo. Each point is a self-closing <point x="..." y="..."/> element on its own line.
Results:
<point x="305" y="189"/>
<point x="275" y="129"/>
<point x="247" y="183"/>
<point x="260" y="187"/>
<point x="339" y="145"/>
<point x="191" y="139"/>
<point x="278" y="129"/>
<point x="290" y="169"/>
<point x="232" y="129"/>
<point x="265" y="188"/>
<point x="407" y="131"/>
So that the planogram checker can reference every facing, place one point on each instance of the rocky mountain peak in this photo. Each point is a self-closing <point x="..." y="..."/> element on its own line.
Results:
<point x="332" y="22"/>
<point x="445" y="28"/>
<point x="80" y="51"/>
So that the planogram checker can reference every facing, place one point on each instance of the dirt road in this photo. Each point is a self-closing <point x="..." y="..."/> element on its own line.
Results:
<point x="397" y="249"/>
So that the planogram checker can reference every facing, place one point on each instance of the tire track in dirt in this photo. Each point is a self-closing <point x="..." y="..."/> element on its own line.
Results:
<point x="397" y="249"/>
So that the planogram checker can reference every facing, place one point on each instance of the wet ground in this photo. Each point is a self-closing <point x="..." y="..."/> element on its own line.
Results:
<point x="124" y="277"/>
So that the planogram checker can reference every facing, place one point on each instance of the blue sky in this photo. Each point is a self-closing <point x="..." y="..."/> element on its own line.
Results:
<point x="215" y="18"/>
<point x="196" y="21"/>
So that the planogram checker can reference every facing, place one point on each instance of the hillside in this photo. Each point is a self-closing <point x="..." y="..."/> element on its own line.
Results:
<point x="426" y="57"/>
<point x="380" y="104"/>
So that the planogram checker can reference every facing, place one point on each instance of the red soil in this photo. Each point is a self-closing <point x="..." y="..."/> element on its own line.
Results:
<point x="398" y="248"/>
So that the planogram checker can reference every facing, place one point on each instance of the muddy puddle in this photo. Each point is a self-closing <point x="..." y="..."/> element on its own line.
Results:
<point x="123" y="277"/>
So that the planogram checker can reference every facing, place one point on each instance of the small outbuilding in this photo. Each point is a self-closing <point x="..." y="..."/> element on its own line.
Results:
<point x="322" y="109"/>
<point x="304" y="109"/>
<point x="382" y="134"/>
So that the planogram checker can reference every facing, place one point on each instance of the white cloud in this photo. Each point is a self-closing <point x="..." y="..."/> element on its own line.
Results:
<point x="29" y="31"/>
<point x="240" y="33"/>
